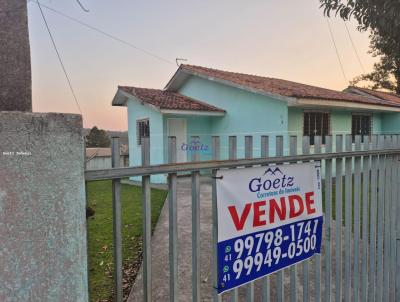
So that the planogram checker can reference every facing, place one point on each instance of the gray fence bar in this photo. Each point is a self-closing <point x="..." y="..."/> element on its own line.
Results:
<point x="397" y="227"/>
<point x="348" y="221"/>
<point x="328" y="220"/>
<point x="317" y="257"/>
<point x="173" y="223"/>
<point x="357" y="202"/>
<point x="219" y="164"/>
<point x="306" y="294"/>
<point x="116" y="198"/>
<point x="338" y="218"/>
<point x="373" y="217"/>
<point x="395" y="176"/>
<point x="381" y="213"/>
<point x="232" y="154"/>
<point x="216" y="155"/>
<point x="293" y="268"/>
<point x="366" y="162"/>
<point x="265" y="280"/>
<point x="248" y="153"/>
<point x="280" y="274"/>
<point x="146" y="205"/>
<point x="386" y="226"/>
<point x="195" y="228"/>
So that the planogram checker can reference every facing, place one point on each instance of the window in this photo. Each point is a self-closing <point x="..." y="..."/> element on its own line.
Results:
<point x="142" y="130"/>
<point x="316" y="124"/>
<point x="360" y="125"/>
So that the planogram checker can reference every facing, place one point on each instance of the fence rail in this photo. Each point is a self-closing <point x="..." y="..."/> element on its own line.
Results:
<point x="361" y="201"/>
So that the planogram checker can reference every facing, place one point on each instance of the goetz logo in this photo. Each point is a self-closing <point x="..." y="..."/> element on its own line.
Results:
<point x="272" y="183"/>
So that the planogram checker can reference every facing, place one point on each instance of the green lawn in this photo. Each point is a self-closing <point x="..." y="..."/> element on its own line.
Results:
<point x="100" y="236"/>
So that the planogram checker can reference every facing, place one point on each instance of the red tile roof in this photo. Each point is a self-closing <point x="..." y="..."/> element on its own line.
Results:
<point x="283" y="87"/>
<point x="388" y="96"/>
<point x="168" y="100"/>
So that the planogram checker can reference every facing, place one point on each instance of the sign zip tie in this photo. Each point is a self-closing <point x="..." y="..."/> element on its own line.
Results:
<point x="217" y="177"/>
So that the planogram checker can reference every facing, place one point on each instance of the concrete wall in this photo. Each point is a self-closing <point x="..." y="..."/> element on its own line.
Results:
<point x="247" y="113"/>
<point x="104" y="162"/>
<point x="43" y="253"/>
<point x="15" y="71"/>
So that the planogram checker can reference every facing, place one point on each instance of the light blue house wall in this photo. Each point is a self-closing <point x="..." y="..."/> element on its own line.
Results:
<point x="267" y="116"/>
<point x="137" y="111"/>
<point x="391" y="123"/>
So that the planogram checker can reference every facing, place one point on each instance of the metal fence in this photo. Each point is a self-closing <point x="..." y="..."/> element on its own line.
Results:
<point x="361" y="262"/>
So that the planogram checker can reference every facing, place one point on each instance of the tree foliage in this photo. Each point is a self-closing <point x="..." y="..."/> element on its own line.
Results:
<point x="382" y="18"/>
<point x="97" y="138"/>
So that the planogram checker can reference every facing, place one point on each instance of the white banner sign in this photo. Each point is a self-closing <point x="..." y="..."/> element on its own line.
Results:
<point x="269" y="218"/>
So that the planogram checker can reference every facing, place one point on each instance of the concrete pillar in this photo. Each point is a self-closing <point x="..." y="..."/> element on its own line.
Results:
<point x="15" y="61"/>
<point x="43" y="254"/>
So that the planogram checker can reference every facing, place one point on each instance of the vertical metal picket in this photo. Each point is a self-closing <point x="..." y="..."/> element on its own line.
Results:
<point x="386" y="226"/>
<point x="279" y="274"/>
<point x="338" y="218"/>
<point x="366" y="162"/>
<point x="173" y="223"/>
<point x="116" y="198"/>
<point x="216" y="156"/>
<point x="380" y="220"/>
<point x="146" y="206"/>
<point x="195" y="228"/>
<point x="356" y="210"/>
<point x="266" y="280"/>
<point x="348" y="220"/>
<point x="397" y="227"/>
<point x="248" y="145"/>
<point x="328" y="219"/>
<point x="293" y="268"/>
<point x="373" y="218"/>
<point x="393" y="240"/>
<point x="233" y="155"/>
<point x="306" y="295"/>
<point x="317" y="257"/>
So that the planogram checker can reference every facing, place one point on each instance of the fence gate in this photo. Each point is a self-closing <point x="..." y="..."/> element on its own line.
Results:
<point x="360" y="259"/>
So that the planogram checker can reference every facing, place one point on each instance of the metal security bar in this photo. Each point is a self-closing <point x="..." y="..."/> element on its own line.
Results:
<point x="360" y="258"/>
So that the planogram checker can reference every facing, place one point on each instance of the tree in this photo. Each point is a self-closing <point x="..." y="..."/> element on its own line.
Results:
<point x="382" y="18"/>
<point x="97" y="138"/>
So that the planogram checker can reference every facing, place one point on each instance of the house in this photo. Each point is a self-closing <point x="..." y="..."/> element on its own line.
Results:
<point x="203" y="102"/>
<point x="100" y="158"/>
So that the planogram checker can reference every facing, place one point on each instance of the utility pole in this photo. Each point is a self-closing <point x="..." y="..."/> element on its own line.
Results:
<point x="15" y="61"/>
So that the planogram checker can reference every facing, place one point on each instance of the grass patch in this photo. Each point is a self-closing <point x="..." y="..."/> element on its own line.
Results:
<point x="100" y="234"/>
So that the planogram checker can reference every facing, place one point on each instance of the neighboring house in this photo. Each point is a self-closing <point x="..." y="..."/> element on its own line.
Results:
<point x="203" y="102"/>
<point x="100" y="158"/>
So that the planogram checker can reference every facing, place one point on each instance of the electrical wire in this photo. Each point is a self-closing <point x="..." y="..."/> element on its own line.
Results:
<point x="59" y="56"/>
<point x="354" y="47"/>
<point x="107" y="34"/>
<point x="336" y="50"/>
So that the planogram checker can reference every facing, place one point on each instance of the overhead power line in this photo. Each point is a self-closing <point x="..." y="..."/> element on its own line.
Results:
<point x="115" y="38"/>
<point x="354" y="47"/>
<point x="336" y="50"/>
<point x="59" y="56"/>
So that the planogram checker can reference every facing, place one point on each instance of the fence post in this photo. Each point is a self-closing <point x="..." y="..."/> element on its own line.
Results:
<point x="357" y="202"/>
<point x="146" y="204"/>
<point x="293" y="268"/>
<point x="265" y="280"/>
<point x="317" y="257"/>
<point x="280" y="274"/>
<point x="348" y="220"/>
<point x="338" y="217"/>
<point x="232" y="154"/>
<point x="116" y="191"/>
<point x="216" y="156"/>
<point x="328" y="220"/>
<point x="195" y="229"/>
<point x="173" y="223"/>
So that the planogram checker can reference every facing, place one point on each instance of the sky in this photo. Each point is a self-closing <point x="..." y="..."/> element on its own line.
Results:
<point x="286" y="39"/>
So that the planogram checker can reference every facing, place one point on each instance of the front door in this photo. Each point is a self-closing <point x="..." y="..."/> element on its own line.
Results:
<point x="177" y="128"/>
